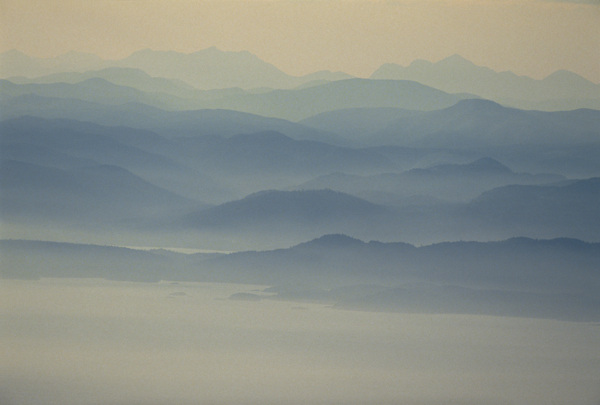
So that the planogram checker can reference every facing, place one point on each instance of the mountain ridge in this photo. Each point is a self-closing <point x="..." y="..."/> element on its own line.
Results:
<point x="455" y="74"/>
<point x="555" y="278"/>
<point x="205" y="69"/>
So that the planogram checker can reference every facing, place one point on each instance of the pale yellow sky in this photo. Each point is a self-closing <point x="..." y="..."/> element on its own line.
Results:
<point x="530" y="37"/>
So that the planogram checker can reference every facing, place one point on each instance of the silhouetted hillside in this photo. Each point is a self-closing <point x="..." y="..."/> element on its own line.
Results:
<point x="568" y="210"/>
<point x="517" y="277"/>
<point x="514" y="263"/>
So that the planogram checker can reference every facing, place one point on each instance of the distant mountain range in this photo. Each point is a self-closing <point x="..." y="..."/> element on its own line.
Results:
<point x="286" y="208"/>
<point x="128" y="77"/>
<point x="561" y="90"/>
<point x="570" y="206"/>
<point x="210" y="68"/>
<point x="544" y="211"/>
<point x="203" y="166"/>
<point x="181" y="75"/>
<point x="302" y="103"/>
<point x="75" y="146"/>
<point x="222" y="149"/>
<point x="454" y="182"/>
<point x="93" y="167"/>
<point x="287" y="104"/>
<point x="565" y="142"/>
<point x="356" y="125"/>
<point x="468" y="124"/>
<point x="93" y="90"/>
<point x="142" y="116"/>
<point x="272" y="153"/>
<point x="515" y="277"/>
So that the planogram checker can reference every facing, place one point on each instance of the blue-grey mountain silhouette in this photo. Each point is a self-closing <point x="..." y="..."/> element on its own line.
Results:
<point x="456" y="182"/>
<point x="128" y="77"/>
<point x="292" y="104"/>
<point x="281" y="208"/>
<point x="565" y="209"/>
<point x="299" y="104"/>
<point x="132" y="152"/>
<point x="71" y="144"/>
<point x="166" y="123"/>
<point x="97" y="90"/>
<point x="517" y="277"/>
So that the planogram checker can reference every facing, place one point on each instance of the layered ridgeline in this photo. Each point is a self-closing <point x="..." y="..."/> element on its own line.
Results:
<point x="206" y="69"/>
<point x="539" y="211"/>
<point x="529" y="140"/>
<point x="208" y="166"/>
<point x="292" y="104"/>
<point x="466" y="124"/>
<point x="448" y="181"/>
<point x="222" y="150"/>
<point x="515" y="277"/>
<point x="562" y="90"/>
<point x="212" y="78"/>
<point x="61" y="170"/>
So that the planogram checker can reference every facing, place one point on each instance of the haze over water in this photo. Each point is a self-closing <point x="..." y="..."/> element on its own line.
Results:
<point x="92" y="342"/>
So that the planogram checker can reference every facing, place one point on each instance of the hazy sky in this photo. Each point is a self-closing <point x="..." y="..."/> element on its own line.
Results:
<point x="532" y="37"/>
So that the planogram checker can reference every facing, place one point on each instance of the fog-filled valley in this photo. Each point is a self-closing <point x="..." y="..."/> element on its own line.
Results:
<point x="205" y="228"/>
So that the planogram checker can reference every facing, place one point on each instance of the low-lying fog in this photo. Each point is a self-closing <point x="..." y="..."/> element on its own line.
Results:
<point x="99" y="342"/>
